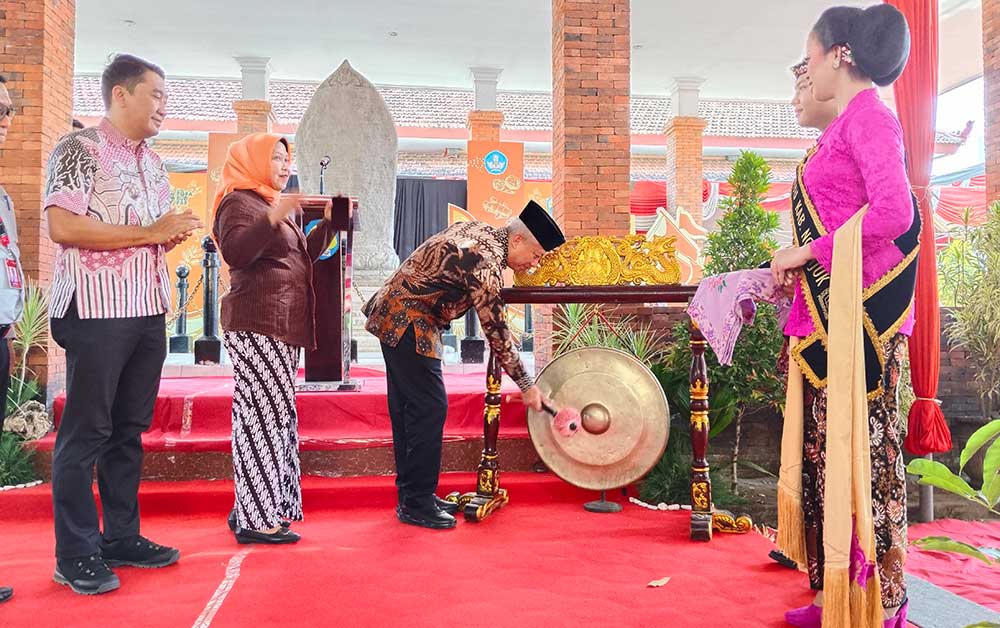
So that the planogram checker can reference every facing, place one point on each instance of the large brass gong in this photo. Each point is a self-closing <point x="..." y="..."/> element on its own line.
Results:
<point x="624" y="418"/>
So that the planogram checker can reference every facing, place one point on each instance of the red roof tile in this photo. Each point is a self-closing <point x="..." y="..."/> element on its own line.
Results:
<point x="184" y="155"/>
<point x="423" y="107"/>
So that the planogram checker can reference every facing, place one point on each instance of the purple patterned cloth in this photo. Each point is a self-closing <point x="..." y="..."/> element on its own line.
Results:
<point x="724" y="303"/>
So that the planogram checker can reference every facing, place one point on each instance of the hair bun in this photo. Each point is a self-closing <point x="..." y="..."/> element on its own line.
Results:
<point x="879" y="38"/>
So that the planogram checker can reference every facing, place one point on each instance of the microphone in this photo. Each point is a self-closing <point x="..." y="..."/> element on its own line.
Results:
<point x="323" y="163"/>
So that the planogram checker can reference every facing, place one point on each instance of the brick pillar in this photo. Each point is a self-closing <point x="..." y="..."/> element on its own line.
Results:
<point x="591" y="138"/>
<point x="684" y="164"/>
<point x="991" y="80"/>
<point x="253" y="116"/>
<point x="590" y="116"/>
<point x="684" y="147"/>
<point x="485" y="125"/>
<point x="37" y="59"/>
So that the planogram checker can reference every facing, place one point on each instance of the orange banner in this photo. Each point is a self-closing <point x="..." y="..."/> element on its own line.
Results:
<point x="188" y="193"/>
<point x="194" y="192"/>
<point x="540" y="192"/>
<point x="218" y="145"/>
<point x="496" y="189"/>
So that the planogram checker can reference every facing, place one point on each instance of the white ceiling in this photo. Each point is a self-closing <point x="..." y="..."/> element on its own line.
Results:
<point x="743" y="49"/>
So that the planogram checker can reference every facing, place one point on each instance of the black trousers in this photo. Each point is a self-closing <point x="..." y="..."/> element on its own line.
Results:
<point x="112" y="378"/>
<point x="418" y="405"/>
<point x="5" y="359"/>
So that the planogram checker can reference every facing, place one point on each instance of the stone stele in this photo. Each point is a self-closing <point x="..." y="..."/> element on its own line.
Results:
<point x="347" y="119"/>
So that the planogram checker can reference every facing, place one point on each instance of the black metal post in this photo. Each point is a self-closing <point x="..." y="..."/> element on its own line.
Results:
<point x="473" y="347"/>
<point x="528" y="340"/>
<point x="208" y="348"/>
<point x="180" y="342"/>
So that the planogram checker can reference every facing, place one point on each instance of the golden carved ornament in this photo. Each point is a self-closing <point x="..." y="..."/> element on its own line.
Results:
<point x="487" y="482"/>
<point x="606" y="261"/>
<point x="493" y="383"/>
<point x="724" y="521"/>
<point x="699" y="495"/>
<point x="492" y="414"/>
<point x="699" y="390"/>
<point x="495" y="503"/>
<point x="699" y="420"/>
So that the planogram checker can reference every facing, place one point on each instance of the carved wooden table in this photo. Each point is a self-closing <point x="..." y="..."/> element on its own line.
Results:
<point x="488" y="496"/>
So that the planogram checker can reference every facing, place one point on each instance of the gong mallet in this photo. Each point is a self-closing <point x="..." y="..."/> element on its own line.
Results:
<point x="565" y="421"/>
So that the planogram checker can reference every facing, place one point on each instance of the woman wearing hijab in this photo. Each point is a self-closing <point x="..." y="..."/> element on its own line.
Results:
<point x="267" y="316"/>
<point x="842" y="493"/>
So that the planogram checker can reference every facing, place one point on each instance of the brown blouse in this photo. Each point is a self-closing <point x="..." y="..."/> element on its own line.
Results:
<point x="270" y="270"/>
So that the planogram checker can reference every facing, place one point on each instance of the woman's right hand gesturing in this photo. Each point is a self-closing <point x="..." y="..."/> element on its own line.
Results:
<point x="288" y="204"/>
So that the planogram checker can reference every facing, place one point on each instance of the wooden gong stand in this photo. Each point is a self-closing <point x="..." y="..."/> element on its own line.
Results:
<point x="488" y="496"/>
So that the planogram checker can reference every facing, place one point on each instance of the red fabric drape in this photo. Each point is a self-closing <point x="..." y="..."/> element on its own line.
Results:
<point x="916" y="104"/>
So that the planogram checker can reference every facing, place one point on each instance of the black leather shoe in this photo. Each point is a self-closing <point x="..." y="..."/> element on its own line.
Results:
<point x="782" y="560"/>
<point x="429" y="516"/>
<point x="138" y="551"/>
<point x="281" y="537"/>
<point x="89" y="575"/>
<point x="232" y="521"/>
<point x="449" y="507"/>
<point x="5" y="593"/>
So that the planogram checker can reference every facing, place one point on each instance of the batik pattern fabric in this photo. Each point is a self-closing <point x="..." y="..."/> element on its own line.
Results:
<point x="450" y="273"/>
<point x="101" y="174"/>
<point x="265" y="430"/>
<point x="888" y="478"/>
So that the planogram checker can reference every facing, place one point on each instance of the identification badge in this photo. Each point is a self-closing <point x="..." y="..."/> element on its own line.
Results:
<point x="13" y="274"/>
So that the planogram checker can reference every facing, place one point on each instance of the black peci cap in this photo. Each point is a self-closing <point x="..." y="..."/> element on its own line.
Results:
<point x="542" y="226"/>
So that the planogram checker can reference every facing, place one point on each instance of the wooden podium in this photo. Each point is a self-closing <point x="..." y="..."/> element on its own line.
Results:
<point x="329" y="366"/>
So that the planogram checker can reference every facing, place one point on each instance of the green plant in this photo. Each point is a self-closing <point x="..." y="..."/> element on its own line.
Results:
<point x="745" y="239"/>
<point x="958" y="263"/>
<point x="669" y="481"/>
<point x="676" y="385"/>
<point x="576" y="325"/>
<point x="31" y="332"/>
<point x="905" y="394"/>
<point x="21" y="392"/>
<point x="16" y="461"/>
<point x="938" y="475"/>
<point x="976" y="324"/>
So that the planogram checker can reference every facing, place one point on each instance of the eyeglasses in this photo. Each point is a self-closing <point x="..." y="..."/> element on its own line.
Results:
<point x="6" y="111"/>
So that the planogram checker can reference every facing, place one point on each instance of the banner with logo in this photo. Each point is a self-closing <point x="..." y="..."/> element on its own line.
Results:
<point x="496" y="181"/>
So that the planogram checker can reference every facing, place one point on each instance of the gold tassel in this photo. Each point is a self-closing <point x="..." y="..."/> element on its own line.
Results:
<point x="866" y="604"/>
<point x="837" y="598"/>
<point x="791" y="527"/>
<point x="873" y="601"/>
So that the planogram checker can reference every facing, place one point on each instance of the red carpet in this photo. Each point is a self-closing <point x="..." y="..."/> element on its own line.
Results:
<point x="194" y="414"/>
<point x="541" y="561"/>
<point x="962" y="575"/>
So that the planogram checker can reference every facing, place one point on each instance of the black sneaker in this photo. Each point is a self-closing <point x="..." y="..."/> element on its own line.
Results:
<point x="138" y="551"/>
<point x="89" y="575"/>
<point x="5" y="593"/>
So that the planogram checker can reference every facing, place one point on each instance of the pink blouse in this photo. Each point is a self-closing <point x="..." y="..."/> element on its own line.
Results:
<point x="858" y="161"/>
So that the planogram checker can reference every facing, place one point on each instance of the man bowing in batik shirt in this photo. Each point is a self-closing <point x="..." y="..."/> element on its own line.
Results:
<point x="456" y="270"/>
